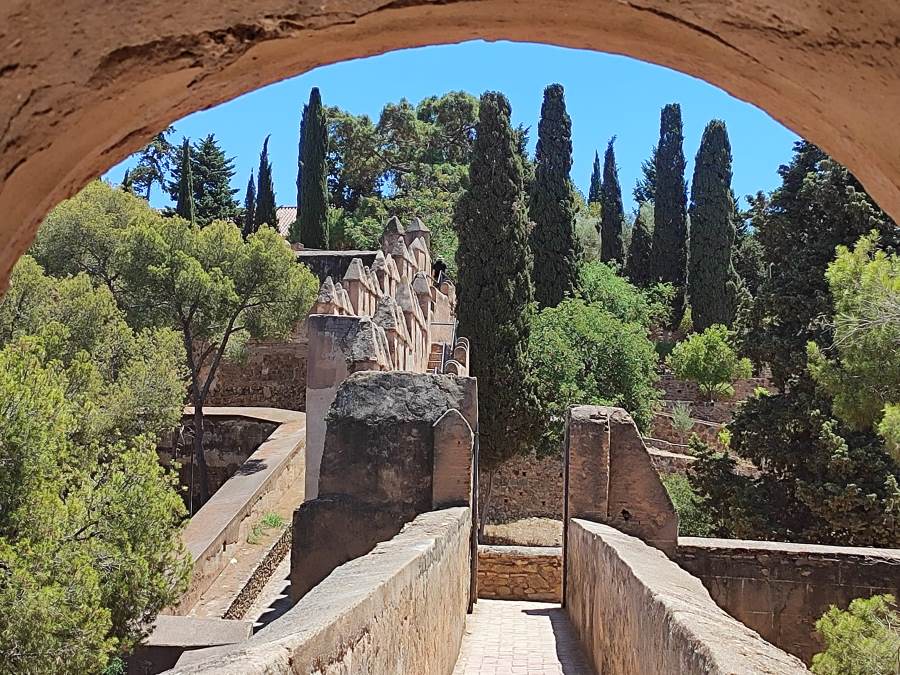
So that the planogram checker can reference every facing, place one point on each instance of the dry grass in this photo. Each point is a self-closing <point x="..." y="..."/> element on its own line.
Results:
<point x="525" y="532"/>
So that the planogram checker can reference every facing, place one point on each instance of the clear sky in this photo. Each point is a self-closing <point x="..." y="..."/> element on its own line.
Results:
<point x="606" y="95"/>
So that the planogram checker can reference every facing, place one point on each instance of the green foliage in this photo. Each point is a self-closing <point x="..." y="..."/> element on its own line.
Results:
<point x="90" y="549"/>
<point x="154" y="163"/>
<point x="864" y="639"/>
<point x="639" y="266"/>
<point x="712" y="281"/>
<point x="210" y="173"/>
<point x="747" y="254"/>
<point x="645" y="188"/>
<point x="494" y="290"/>
<point x="552" y="205"/>
<point x="708" y="359"/>
<point x="587" y="217"/>
<point x="311" y="227"/>
<point x="248" y="218"/>
<point x="693" y="518"/>
<point x="267" y="522"/>
<point x="681" y="417"/>
<point x="582" y="354"/>
<point x="862" y="370"/>
<point x="184" y="188"/>
<point x="612" y="221"/>
<point x="596" y="181"/>
<point x="264" y="211"/>
<point x="601" y="285"/>
<point x="669" y="251"/>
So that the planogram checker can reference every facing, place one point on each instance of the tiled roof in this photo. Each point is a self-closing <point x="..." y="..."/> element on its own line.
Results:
<point x="286" y="215"/>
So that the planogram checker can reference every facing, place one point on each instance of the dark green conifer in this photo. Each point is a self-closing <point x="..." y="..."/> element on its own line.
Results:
<point x="596" y="181"/>
<point x="212" y="172"/>
<point x="670" y="207"/>
<point x="265" y="192"/>
<point x="184" y="188"/>
<point x="645" y="187"/>
<point x="494" y="289"/>
<point x="248" y="224"/>
<point x="712" y="281"/>
<point x="639" y="267"/>
<point x="311" y="228"/>
<point x="612" y="213"/>
<point x="556" y="249"/>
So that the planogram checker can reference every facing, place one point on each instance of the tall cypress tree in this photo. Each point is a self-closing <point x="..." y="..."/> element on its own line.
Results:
<point x="639" y="267"/>
<point x="248" y="225"/>
<point x="596" y="181"/>
<point x="311" y="228"/>
<point x="670" y="207"/>
<point x="184" y="188"/>
<point x="265" y="192"/>
<point x="712" y="281"/>
<point x="556" y="249"/>
<point x="495" y="289"/>
<point x="612" y="213"/>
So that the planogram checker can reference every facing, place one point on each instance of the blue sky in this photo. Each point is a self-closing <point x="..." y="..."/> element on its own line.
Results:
<point x="605" y="94"/>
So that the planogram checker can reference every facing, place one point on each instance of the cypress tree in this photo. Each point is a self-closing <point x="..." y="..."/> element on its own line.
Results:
<point x="670" y="207"/>
<point x="184" y="188"/>
<point x="556" y="249"/>
<point x="712" y="281"/>
<point x="311" y="228"/>
<point x="265" y="192"/>
<point x="612" y="213"/>
<point x="248" y="226"/>
<point x="596" y="181"/>
<point x="495" y="290"/>
<point x="639" y="268"/>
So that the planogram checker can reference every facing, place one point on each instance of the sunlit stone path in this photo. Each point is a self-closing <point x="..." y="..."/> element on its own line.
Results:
<point x="504" y="637"/>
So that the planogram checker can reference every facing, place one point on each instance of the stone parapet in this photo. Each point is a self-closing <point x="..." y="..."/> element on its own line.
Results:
<point x="635" y="612"/>
<point x="520" y="573"/>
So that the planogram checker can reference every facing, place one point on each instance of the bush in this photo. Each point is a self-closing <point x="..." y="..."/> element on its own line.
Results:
<point x="709" y="360"/>
<point x="693" y="519"/>
<point x="582" y="354"/>
<point x="600" y="284"/>
<point x="864" y="639"/>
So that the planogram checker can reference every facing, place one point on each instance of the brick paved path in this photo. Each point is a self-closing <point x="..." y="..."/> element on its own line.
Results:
<point x="505" y="637"/>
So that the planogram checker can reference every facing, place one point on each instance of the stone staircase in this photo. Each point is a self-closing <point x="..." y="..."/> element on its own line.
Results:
<point x="436" y="357"/>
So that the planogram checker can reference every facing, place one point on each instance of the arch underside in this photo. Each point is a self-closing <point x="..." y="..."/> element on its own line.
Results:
<point x="84" y="84"/>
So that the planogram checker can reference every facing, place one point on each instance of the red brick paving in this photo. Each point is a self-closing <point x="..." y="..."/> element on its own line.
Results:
<point x="505" y="637"/>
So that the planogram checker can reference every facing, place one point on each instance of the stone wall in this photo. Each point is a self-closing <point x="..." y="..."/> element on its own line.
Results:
<point x="520" y="573"/>
<point x="685" y="390"/>
<point x="635" y="611"/>
<point x="524" y="487"/>
<point x="399" y="609"/>
<point x="780" y="589"/>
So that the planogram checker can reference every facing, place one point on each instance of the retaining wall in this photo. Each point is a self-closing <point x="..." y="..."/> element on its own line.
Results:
<point x="520" y="573"/>
<point x="780" y="589"/>
<point x="636" y="612"/>
<point x="399" y="609"/>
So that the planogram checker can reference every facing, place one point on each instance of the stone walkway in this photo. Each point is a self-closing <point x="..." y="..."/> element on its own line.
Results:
<point x="505" y="637"/>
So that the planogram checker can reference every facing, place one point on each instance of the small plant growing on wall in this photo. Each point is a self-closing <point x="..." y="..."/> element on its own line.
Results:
<point x="682" y="421"/>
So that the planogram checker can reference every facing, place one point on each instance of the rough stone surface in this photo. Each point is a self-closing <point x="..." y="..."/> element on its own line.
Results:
<point x="399" y="609"/>
<point x="636" y="612"/>
<point x="780" y="589"/>
<point x="333" y="264"/>
<point x="520" y="573"/>
<point x="171" y="636"/>
<point x="525" y="486"/>
<point x="453" y="461"/>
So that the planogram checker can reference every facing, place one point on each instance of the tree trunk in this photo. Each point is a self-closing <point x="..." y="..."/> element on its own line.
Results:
<point x="485" y="509"/>
<point x="199" y="456"/>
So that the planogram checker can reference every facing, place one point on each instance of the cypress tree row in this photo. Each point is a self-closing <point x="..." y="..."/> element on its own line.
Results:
<point x="248" y="225"/>
<point x="184" y="188"/>
<point x="639" y="267"/>
<point x="670" y="207"/>
<point x="556" y="249"/>
<point x="596" y="181"/>
<point x="265" y="193"/>
<point x="612" y="213"/>
<point x="712" y="281"/>
<point x="495" y="290"/>
<point x="311" y="228"/>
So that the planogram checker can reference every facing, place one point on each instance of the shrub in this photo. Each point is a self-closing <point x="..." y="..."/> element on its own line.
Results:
<point x="693" y="519"/>
<point x="864" y="639"/>
<point x="709" y="360"/>
<point x="682" y="421"/>
<point x="600" y="284"/>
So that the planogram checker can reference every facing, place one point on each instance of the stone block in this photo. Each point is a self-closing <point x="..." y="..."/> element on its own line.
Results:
<point x="453" y="461"/>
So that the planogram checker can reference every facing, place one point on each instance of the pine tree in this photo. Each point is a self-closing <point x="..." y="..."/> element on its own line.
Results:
<point x="265" y="193"/>
<point x="495" y="289"/>
<point x="645" y="187"/>
<point x="212" y="174"/>
<point x="184" y="188"/>
<point x="311" y="228"/>
<point x="712" y="281"/>
<point x="612" y="213"/>
<point x="638" y="268"/>
<point x="596" y="181"/>
<point x="248" y="225"/>
<point x="670" y="207"/>
<point x="556" y="249"/>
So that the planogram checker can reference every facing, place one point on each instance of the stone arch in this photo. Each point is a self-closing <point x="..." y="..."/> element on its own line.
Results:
<point x="85" y="84"/>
